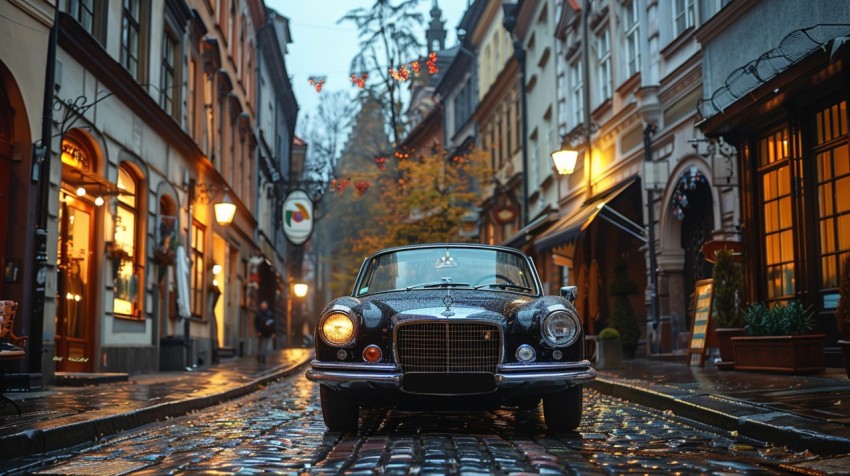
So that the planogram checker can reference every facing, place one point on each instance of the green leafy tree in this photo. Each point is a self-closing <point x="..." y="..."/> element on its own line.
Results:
<point x="623" y="317"/>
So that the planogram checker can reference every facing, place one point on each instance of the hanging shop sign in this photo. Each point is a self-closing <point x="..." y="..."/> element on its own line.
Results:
<point x="298" y="217"/>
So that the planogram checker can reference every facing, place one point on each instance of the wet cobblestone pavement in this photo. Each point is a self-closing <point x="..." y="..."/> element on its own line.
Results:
<point x="279" y="429"/>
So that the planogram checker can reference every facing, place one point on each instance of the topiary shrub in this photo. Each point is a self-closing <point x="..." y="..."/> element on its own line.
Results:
<point x="842" y="312"/>
<point x="728" y="281"/>
<point x="623" y="317"/>
<point x="609" y="333"/>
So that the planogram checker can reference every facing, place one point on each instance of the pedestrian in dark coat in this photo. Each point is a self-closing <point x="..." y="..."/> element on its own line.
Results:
<point x="264" y="324"/>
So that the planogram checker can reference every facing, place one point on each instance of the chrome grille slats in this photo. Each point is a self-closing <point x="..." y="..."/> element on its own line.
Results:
<point x="447" y="346"/>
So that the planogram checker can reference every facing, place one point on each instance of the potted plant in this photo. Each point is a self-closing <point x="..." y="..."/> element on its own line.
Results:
<point x="842" y="312"/>
<point x="779" y="339"/>
<point x="609" y="353"/>
<point x="727" y="312"/>
<point x="623" y="318"/>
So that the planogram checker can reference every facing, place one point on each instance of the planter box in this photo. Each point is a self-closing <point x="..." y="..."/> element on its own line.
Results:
<point x="801" y="354"/>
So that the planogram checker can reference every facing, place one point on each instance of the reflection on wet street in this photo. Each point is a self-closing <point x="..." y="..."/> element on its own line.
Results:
<point x="280" y="429"/>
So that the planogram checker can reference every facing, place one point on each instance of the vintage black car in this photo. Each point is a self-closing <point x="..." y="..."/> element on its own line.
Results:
<point x="450" y="327"/>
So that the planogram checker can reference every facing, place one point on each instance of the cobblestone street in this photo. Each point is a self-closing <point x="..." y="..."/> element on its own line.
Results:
<point x="280" y="429"/>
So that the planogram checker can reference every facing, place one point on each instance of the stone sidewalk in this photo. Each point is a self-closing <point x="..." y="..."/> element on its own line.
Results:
<point x="66" y="416"/>
<point x="800" y="412"/>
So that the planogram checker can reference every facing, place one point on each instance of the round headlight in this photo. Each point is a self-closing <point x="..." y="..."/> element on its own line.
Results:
<point x="337" y="329"/>
<point x="560" y="329"/>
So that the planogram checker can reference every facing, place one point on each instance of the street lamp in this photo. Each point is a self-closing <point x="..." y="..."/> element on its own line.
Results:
<point x="566" y="157"/>
<point x="300" y="289"/>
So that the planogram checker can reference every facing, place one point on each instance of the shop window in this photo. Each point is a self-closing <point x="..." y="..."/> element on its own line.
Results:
<point x="127" y="302"/>
<point x="778" y="224"/>
<point x="198" y="267"/>
<point x="833" y="175"/>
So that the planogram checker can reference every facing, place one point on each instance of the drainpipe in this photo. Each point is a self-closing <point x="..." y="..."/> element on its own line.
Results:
<point x="41" y="174"/>
<point x="648" y="131"/>
<point x="509" y="22"/>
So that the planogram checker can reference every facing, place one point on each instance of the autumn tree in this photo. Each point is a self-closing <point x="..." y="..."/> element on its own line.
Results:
<point x="421" y="199"/>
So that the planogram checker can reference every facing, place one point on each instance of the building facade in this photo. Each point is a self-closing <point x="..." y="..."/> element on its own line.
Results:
<point x="775" y="99"/>
<point x="152" y="125"/>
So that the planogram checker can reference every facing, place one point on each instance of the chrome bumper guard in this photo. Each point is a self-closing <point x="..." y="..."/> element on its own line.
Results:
<point x="508" y="376"/>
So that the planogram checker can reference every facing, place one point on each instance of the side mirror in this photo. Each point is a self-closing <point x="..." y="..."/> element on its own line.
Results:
<point x="569" y="293"/>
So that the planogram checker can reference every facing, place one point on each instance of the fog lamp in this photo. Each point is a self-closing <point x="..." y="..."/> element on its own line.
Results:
<point x="525" y="353"/>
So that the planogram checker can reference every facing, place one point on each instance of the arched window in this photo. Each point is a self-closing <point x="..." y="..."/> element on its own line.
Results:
<point x="127" y="267"/>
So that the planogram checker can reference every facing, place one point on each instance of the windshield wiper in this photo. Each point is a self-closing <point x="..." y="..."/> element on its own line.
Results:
<point x="504" y="286"/>
<point x="438" y="284"/>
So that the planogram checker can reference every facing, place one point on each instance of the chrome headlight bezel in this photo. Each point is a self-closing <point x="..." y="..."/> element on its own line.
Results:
<point x="335" y="314"/>
<point x="560" y="328"/>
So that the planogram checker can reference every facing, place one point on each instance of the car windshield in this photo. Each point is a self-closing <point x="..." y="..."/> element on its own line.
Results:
<point x="430" y="268"/>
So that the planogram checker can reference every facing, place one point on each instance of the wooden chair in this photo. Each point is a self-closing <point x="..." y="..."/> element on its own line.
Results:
<point x="8" y="309"/>
<point x="7" y="334"/>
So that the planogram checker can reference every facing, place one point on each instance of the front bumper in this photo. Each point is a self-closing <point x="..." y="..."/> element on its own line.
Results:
<point x="508" y="377"/>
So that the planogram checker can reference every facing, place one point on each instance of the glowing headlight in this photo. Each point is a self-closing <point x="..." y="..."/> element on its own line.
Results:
<point x="560" y="329"/>
<point x="337" y="329"/>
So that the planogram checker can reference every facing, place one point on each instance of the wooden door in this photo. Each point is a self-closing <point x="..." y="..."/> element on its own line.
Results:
<point x="75" y="309"/>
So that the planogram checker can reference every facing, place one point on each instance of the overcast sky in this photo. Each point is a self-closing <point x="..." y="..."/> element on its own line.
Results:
<point x="321" y="47"/>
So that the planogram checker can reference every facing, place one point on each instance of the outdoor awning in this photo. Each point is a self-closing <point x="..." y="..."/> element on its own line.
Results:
<point x="569" y="227"/>
<point x="94" y="184"/>
<point x="526" y="233"/>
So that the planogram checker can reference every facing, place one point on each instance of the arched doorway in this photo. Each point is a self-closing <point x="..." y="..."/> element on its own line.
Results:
<point x="76" y="257"/>
<point x="691" y="205"/>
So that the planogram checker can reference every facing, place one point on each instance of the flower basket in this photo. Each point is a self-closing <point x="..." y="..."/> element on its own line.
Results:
<point x="164" y="256"/>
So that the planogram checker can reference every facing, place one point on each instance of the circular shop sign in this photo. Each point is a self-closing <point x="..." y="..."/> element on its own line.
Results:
<point x="297" y="217"/>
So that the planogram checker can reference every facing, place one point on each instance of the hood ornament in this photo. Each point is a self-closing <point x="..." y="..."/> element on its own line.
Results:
<point x="448" y="301"/>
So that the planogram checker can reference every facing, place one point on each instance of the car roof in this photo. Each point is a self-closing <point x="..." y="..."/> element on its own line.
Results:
<point x="449" y="245"/>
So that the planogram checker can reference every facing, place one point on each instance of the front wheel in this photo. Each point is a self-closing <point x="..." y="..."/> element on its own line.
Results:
<point x="562" y="410"/>
<point x="339" y="411"/>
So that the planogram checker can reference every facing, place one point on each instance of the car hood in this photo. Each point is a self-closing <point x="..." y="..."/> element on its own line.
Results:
<point x="382" y="310"/>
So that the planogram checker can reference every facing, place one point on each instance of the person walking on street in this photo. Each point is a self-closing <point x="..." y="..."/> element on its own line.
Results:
<point x="264" y="323"/>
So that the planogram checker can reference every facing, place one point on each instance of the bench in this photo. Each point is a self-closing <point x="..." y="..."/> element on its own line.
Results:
<point x="8" y="352"/>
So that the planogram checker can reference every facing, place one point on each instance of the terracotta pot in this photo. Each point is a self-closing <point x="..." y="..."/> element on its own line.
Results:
<point x="724" y="342"/>
<point x="845" y="349"/>
<point x="801" y="354"/>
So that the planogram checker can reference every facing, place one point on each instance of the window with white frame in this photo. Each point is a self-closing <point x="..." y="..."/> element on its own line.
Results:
<point x="576" y="93"/>
<point x="632" y="36"/>
<point x="683" y="16"/>
<point x="603" y="57"/>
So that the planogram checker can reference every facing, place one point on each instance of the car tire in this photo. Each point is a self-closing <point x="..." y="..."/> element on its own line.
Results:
<point x="562" y="410"/>
<point x="339" y="411"/>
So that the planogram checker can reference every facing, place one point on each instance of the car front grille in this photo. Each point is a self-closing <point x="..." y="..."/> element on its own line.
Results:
<point x="448" y="346"/>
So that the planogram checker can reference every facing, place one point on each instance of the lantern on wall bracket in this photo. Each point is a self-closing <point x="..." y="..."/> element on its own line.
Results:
<point x="566" y="157"/>
<point x="225" y="210"/>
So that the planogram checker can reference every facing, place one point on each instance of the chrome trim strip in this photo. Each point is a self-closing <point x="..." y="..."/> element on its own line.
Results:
<point x="543" y="366"/>
<point x="573" y="378"/>
<point x="354" y="366"/>
<point x="339" y="378"/>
